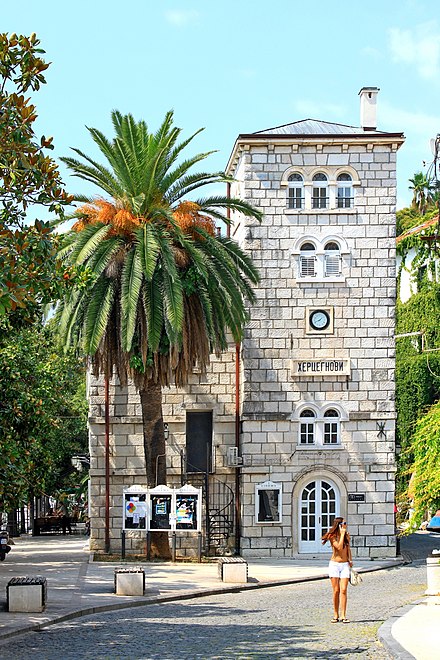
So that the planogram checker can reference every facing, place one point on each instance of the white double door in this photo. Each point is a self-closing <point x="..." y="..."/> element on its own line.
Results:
<point x="318" y="506"/>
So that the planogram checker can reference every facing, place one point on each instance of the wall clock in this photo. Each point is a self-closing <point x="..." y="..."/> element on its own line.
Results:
<point x="319" y="319"/>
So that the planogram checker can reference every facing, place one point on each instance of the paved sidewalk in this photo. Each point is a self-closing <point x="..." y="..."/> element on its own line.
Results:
<point x="78" y="586"/>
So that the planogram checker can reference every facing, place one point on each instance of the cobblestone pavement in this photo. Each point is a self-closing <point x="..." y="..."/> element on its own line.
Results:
<point x="279" y="622"/>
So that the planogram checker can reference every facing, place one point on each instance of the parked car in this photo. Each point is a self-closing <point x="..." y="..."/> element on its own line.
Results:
<point x="434" y="523"/>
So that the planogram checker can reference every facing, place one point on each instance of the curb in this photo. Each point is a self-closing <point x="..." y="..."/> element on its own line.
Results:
<point x="386" y="638"/>
<point x="184" y="595"/>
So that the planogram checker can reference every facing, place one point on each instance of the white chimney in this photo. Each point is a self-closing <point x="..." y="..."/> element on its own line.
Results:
<point x="368" y="108"/>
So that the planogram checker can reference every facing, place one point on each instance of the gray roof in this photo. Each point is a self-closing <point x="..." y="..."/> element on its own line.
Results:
<point x="316" y="127"/>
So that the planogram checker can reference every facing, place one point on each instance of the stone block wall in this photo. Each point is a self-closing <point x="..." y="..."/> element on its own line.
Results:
<point x="363" y="306"/>
<point x="215" y="392"/>
<point x="362" y="466"/>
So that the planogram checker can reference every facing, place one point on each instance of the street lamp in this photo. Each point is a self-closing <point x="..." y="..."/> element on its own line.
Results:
<point x="79" y="462"/>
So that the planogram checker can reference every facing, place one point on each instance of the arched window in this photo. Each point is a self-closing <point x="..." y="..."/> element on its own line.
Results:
<point x="295" y="191"/>
<point x="345" y="196"/>
<point x="319" y="428"/>
<point x="331" y="427"/>
<point x="307" y="427"/>
<point x="307" y="260"/>
<point x="320" y="191"/>
<point x="332" y="259"/>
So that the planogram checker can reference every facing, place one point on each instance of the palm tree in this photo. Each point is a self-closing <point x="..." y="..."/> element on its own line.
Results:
<point x="422" y="189"/>
<point x="166" y="287"/>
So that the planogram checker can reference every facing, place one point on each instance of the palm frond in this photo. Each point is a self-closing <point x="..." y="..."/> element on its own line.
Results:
<point x="66" y="316"/>
<point x="97" y="314"/>
<point x="209" y="204"/>
<point x="172" y="286"/>
<point x="148" y="249"/>
<point x="153" y="307"/>
<point x="184" y="186"/>
<point x="94" y="173"/>
<point x="104" y="254"/>
<point x="88" y="240"/>
<point x="131" y="282"/>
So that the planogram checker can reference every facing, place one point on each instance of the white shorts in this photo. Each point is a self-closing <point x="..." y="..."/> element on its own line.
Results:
<point x="339" y="569"/>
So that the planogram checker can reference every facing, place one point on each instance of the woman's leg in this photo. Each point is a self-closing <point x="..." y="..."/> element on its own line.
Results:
<point x="335" y="587"/>
<point x="343" y="596"/>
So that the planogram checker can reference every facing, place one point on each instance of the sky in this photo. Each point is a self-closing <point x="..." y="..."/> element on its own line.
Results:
<point x="234" y="67"/>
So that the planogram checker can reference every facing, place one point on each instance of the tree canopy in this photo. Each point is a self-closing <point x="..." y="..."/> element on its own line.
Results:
<point x="43" y="414"/>
<point x="30" y="273"/>
<point x="166" y="285"/>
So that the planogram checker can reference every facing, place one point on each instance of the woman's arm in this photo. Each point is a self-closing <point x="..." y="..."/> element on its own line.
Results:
<point x="338" y="544"/>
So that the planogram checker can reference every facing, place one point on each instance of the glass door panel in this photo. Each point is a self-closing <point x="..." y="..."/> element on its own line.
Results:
<point x="319" y="505"/>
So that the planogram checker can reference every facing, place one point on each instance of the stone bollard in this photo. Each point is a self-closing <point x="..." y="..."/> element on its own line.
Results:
<point x="26" y="594"/>
<point x="129" y="581"/>
<point x="233" y="569"/>
<point x="433" y="574"/>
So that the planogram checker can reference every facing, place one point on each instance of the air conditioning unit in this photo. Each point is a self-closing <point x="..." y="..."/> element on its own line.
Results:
<point x="233" y="459"/>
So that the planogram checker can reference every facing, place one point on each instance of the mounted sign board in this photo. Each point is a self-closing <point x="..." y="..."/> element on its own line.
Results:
<point x="135" y="508"/>
<point x="356" y="497"/>
<point x="160" y="508"/>
<point x="188" y="508"/>
<point x="320" y="367"/>
<point x="268" y="502"/>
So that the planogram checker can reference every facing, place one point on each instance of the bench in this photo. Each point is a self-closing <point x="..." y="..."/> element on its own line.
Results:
<point x="129" y="581"/>
<point x="26" y="594"/>
<point x="47" y="524"/>
<point x="233" y="569"/>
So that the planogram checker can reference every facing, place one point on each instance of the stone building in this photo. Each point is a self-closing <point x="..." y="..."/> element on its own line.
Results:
<point x="296" y="425"/>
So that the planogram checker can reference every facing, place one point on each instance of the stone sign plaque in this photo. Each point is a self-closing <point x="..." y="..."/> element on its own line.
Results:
<point x="320" y="367"/>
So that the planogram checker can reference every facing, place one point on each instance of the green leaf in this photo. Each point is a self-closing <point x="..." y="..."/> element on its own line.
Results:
<point x="97" y="314"/>
<point x="130" y="291"/>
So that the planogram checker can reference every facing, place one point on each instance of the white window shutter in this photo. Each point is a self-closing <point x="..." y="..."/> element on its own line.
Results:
<point x="332" y="265"/>
<point x="307" y="266"/>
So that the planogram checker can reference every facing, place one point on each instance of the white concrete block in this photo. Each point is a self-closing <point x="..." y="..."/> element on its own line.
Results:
<point x="25" y="598"/>
<point x="235" y="572"/>
<point x="129" y="584"/>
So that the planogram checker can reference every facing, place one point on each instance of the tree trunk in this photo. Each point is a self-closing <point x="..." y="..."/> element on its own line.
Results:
<point x="154" y="452"/>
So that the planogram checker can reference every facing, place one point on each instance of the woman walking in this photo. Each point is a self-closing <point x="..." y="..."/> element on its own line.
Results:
<point x="339" y="567"/>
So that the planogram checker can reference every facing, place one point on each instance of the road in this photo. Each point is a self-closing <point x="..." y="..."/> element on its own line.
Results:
<point x="279" y="622"/>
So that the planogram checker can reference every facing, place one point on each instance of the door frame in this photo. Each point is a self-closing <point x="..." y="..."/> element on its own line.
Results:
<point x="210" y="468"/>
<point x="324" y="474"/>
<point x="317" y="548"/>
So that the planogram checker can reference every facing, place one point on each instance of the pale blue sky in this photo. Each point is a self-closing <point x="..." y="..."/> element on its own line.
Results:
<point x="235" y="67"/>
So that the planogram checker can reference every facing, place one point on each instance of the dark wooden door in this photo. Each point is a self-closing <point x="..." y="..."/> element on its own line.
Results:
<point x="199" y="441"/>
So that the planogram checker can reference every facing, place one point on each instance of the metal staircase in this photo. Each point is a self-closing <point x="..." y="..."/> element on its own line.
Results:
<point x="219" y="508"/>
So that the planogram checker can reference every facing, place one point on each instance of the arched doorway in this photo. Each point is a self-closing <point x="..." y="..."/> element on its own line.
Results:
<point x="319" y="504"/>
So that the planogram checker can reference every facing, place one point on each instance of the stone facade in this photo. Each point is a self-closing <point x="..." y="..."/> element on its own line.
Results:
<point x="316" y="392"/>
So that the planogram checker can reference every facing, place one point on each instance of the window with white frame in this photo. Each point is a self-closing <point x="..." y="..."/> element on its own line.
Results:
<point x="307" y="260"/>
<point x="320" y="191"/>
<point x="319" y="430"/>
<point x="307" y="427"/>
<point x="345" y="196"/>
<point x="331" y="427"/>
<point x="328" y="189"/>
<point x="295" y="191"/>
<point x="320" y="260"/>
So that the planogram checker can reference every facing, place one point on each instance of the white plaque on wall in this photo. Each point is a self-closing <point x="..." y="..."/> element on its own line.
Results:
<point x="320" y="367"/>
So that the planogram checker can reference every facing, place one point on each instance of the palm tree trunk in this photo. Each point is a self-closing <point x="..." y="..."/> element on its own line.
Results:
<point x="154" y="452"/>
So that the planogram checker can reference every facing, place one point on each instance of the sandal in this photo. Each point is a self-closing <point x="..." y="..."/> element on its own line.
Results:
<point x="334" y="620"/>
<point x="345" y="620"/>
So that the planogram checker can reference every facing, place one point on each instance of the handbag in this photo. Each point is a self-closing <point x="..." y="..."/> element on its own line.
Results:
<point x="355" y="578"/>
